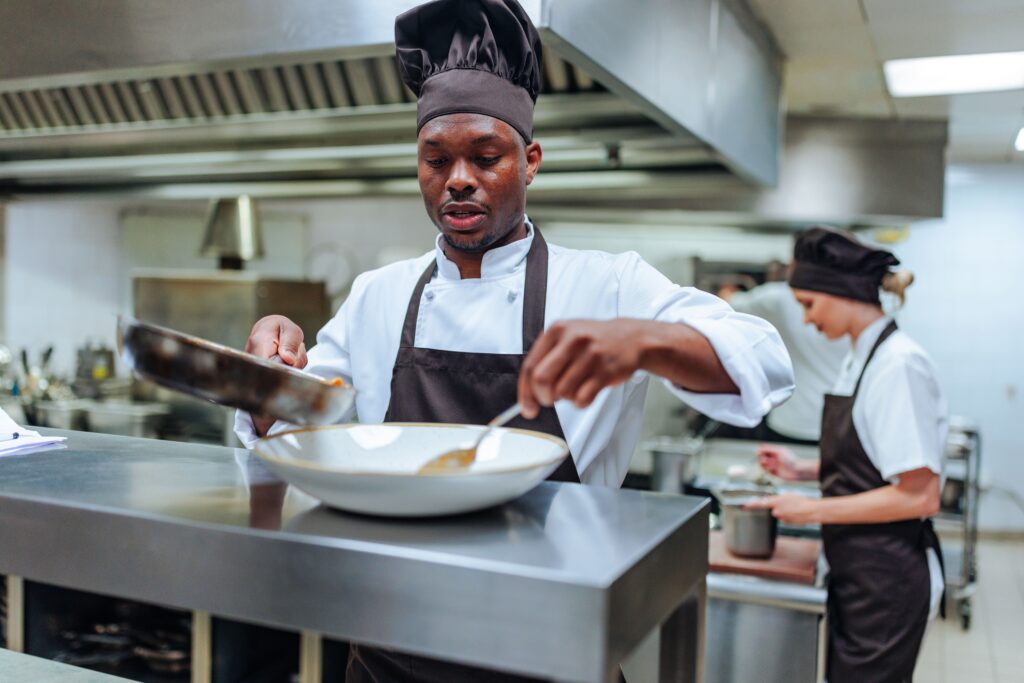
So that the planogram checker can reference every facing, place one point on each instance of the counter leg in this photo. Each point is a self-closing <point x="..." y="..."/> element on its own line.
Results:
<point x="822" y="658"/>
<point x="310" y="658"/>
<point x="682" y="640"/>
<point x="15" y="614"/>
<point x="202" y="647"/>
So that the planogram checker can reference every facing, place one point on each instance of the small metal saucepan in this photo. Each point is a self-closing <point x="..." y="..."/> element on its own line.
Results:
<point x="748" y="533"/>
<point x="228" y="377"/>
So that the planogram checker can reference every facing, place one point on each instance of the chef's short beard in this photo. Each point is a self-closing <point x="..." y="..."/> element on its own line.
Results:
<point x="477" y="247"/>
<point x="481" y="245"/>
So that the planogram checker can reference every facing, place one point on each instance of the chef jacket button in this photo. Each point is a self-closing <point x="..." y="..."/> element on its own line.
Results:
<point x="512" y="294"/>
<point x="430" y="296"/>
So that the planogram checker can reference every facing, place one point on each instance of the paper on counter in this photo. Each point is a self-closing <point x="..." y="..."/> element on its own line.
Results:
<point x="26" y="441"/>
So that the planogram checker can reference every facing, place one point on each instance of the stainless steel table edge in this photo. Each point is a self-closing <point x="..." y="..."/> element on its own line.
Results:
<point x="676" y="570"/>
<point x="758" y="591"/>
<point x="530" y="615"/>
<point x="21" y="667"/>
<point x="368" y="547"/>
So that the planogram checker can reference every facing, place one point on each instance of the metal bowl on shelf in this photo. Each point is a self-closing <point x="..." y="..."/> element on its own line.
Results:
<point x="958" y="445"/>
<point x="70" y="415"/>
<point x="675" y="462"/>
<point x="126" y="418"/>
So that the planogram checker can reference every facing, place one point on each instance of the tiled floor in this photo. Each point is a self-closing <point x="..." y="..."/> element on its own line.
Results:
<point x="992" y="651"/>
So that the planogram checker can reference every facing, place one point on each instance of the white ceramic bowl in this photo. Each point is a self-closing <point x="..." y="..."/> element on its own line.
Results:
<point x="372" y="468"/>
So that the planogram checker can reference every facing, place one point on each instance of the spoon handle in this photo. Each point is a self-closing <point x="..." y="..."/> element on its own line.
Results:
<point x="505" y="416"/>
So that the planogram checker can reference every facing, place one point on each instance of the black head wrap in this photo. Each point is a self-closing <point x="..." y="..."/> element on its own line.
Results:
<point x="471" y="56"/>
<point x="829" y="261"/>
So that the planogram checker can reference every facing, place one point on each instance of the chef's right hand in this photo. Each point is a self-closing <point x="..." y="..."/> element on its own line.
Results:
<point x="276" y="335"/>
<point x="780" y="462"/>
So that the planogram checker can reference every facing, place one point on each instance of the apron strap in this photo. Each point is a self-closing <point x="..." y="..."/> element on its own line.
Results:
<point x="534" y="296"/>
<point x="886" y="333"/>
<point x="535" y="291"/>
<point x="412" y="313"/>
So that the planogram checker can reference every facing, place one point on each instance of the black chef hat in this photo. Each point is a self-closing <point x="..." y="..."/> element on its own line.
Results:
<point x="826" y="260"/>
<point x="471" y="56"/>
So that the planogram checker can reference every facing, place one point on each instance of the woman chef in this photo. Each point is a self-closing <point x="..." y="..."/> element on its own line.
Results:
<point x="493" y="314"/>
<point x="882" y="437"/>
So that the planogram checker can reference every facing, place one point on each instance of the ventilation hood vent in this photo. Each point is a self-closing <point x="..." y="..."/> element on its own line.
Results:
<point x="226" y="95"/>
<point x="128" y="96"/>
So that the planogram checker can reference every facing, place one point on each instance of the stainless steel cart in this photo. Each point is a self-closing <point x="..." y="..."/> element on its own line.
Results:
<point x="957" y="520"/>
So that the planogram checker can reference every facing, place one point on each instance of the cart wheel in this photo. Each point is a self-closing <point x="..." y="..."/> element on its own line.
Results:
<point x="965" y="615"/>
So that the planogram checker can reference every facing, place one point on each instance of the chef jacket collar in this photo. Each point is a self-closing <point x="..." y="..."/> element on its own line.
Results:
<point x="497" y="262"/>
<point x="866" y="340"/>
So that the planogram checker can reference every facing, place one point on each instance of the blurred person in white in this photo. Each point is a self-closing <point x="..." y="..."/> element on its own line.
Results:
<point x="816" y="358"/>
<point x="883" y="430"/>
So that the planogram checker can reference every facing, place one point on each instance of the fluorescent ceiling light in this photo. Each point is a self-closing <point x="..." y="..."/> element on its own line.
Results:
<point x="955" y="74"/>
<point x="1019" y="144"/>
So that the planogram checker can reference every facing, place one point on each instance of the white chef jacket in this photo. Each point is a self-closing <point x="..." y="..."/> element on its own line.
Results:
<point x="816" y="359"/>
<point x="484" y="315"/>
<point x="900" y="413"/>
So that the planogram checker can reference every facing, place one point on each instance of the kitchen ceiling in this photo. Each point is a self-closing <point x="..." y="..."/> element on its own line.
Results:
<point x="835" y="50"/>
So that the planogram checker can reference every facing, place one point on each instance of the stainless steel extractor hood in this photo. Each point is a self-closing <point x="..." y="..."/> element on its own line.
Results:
<point x="129" y="96"/>
<point x="665" y="106"/>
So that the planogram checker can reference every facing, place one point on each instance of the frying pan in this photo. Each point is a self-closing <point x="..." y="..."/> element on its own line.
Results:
<point x="229" y="377"/>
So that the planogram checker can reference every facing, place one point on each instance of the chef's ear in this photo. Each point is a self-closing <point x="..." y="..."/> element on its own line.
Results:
<point x="533" y="156"/>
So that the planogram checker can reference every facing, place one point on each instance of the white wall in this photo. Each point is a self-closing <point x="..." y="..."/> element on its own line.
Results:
<point x="966" y="309"/>
<point x="62" y="260"/>
<point x="350" y="236"/>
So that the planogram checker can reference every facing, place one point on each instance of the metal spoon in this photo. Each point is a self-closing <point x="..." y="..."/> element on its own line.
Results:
<point x="461" y="458"/>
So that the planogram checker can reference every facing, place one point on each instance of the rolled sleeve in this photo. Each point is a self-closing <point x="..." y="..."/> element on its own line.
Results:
<point x="756" y="361"/>
<point x="748" y="347"/>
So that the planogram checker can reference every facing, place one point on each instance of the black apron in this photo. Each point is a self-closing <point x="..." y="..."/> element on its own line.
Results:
<point x="879" y="585"/>
<point x="429" y="385"/>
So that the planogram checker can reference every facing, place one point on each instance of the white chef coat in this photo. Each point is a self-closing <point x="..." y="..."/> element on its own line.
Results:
<point x="816" y="359"/>
<point x="484" y="315"/>
<point x="900" y="413"/>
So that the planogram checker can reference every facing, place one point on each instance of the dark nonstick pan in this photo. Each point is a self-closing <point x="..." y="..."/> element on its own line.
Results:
<point x="229" y="377"/>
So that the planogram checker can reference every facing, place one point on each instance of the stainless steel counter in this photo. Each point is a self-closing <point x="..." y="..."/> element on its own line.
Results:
<point x="19" y="667"/>
<point x="764" y="630"/>
<point x="563" y="582"/>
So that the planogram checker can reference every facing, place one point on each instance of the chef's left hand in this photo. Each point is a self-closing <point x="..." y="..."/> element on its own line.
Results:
<point x="576" y="359"/>
<point x="790" y="508"/>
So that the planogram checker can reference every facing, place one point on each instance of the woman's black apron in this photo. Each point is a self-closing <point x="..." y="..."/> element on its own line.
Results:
<point x="879" y="586"/>
<point x="429" y="385"/>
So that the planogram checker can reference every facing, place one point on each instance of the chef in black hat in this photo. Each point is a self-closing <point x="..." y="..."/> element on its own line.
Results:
<point x="495" y="315"/>
<point x="882" y="438"/>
